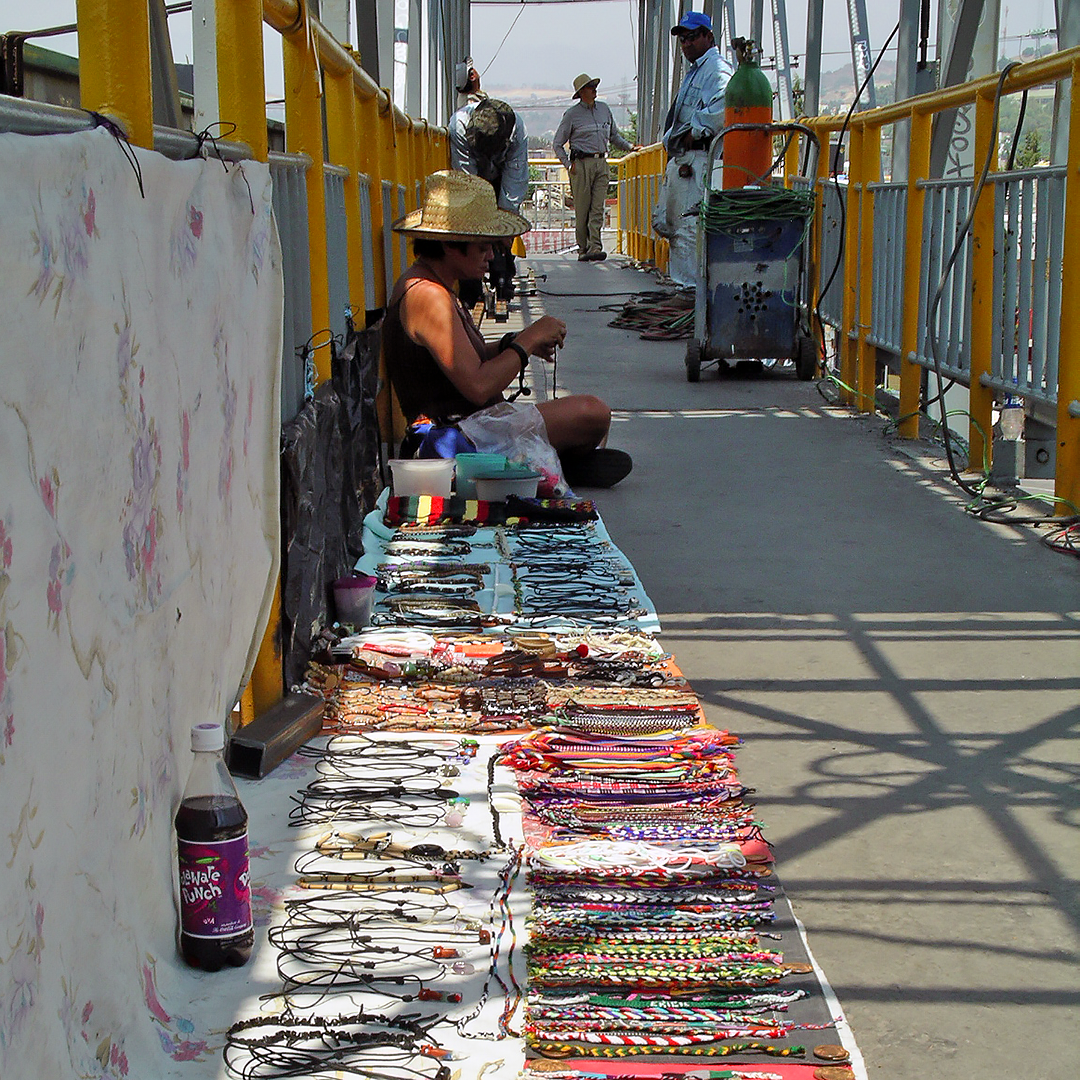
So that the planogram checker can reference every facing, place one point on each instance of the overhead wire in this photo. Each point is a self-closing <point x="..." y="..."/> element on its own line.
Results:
<point x="836" y="183"/>
<point x="503" y="42"/>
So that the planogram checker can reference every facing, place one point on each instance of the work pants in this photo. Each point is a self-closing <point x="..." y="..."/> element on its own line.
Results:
<point x="676" y="214"/>
<point x="589" y="185"/>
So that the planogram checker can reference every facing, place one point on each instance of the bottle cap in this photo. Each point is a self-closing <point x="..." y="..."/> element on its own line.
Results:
<point x="207" y="737"/>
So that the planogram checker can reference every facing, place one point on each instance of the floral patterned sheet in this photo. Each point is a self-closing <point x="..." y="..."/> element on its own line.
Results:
<point x="138" y="548"/>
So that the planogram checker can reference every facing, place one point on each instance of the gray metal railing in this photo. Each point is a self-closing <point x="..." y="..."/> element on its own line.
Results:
<point x="834" y="202"/>
<point x="288" y="172"/>
<point x="337" y="247"/>
<point x="403" y="242"/>
<point x="1028" y="244"/>
<point x="887" y="314"/>
<point x="368" y="245"/>
<point x="388" y="236"/>
<point x="1029" y="215"/>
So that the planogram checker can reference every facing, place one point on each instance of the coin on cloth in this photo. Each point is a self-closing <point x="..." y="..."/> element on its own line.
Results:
<point x="834" y="1072"/>
<point x="831" y="1052"/>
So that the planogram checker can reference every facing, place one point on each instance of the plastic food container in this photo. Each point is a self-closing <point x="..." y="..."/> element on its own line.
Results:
<point x="496" y="487"/>
<point x="354" y="597"/>
<point x="422" y="476"/>
<point x="469" y="466"/>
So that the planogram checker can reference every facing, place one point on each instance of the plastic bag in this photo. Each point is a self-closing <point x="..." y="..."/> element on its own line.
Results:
<point x="517" y="432"/>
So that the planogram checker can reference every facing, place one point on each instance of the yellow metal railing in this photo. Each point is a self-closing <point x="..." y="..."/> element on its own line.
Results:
<point x="365" y="133"/>
<point x="857" y="358"/>
<point x="640" y="175"/>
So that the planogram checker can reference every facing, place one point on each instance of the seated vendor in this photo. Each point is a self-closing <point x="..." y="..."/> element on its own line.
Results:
<point x="437" y="359"/>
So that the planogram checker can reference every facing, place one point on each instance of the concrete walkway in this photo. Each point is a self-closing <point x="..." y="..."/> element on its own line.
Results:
<point x="906" y="679"/>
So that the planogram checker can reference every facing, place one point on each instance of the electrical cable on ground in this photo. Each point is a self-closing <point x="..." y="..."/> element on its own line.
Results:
<point x="657" y="316"/>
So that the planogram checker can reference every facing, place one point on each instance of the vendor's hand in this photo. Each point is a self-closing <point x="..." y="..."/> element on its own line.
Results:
<point x="543" y="337"/>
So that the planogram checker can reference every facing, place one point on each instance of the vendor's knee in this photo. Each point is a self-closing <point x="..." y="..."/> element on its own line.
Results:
<point x="595" y="417"/>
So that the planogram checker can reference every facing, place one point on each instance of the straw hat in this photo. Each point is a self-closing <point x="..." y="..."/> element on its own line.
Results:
<point x="582" y="81"/>
<point x="460" y="206"/>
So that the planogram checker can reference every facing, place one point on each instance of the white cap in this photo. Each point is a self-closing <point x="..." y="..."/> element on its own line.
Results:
<point x="461" y="74"/>
<point x="207" y="737"/>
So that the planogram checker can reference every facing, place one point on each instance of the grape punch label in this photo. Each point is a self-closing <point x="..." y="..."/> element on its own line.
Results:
<point x="215" y="892"/>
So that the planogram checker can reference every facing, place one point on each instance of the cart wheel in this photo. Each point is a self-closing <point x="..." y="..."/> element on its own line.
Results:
<point x="693" y="360"/>
<point x="806" y="358"/>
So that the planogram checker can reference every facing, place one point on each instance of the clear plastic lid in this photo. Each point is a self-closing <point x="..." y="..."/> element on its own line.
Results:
<point x="207" y="737"/>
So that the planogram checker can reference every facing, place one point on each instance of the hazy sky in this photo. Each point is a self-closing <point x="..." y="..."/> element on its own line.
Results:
<point x="549" y="44"/>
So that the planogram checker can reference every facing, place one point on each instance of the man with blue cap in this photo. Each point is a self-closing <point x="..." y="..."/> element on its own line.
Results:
<point x="695" y="116"/>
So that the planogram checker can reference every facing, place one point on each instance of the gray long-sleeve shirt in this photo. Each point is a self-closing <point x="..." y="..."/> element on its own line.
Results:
<point x="515" y="169"/>
<point x="588" y="131"/>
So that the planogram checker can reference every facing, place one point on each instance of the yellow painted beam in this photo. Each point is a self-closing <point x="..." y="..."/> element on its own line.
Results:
<point x="390" y="155"/>
<point x="866" y="373"/>
<point x="1067" y="476"/>
<point x="343" y="149"/>
<point x="981" y="398"/>
<point x="114" y="64"/>
<point x="240" y="75"/>
<point x="267" y="685"/>
<point x="304" y="135"/>
<point x="910" y="372"/>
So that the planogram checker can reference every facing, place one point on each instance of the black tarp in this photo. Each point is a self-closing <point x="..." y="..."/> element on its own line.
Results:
<point x="330" y="480"/>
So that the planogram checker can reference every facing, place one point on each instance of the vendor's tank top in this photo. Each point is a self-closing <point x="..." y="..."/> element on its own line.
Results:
<point x="421" y="385"/>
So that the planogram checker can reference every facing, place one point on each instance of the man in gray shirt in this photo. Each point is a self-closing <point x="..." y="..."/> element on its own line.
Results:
<point x="588" y="127"/>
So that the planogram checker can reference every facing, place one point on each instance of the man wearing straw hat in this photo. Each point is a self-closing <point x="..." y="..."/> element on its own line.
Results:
<point x="588" y="127"/>
<point x="439" y="363"/>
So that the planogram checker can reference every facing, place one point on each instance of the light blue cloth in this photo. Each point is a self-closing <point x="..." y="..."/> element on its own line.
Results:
<point x="589" y="131"/>
<point x="515" y="171"/>
<point x="377" y="534"/>
<point x="699" y="104"/>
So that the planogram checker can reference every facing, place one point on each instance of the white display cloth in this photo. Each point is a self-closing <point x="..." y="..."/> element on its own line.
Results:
<point x="139" y="429"/>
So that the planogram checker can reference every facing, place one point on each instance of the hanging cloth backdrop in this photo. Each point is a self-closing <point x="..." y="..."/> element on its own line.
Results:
<point x="139" y="435"/>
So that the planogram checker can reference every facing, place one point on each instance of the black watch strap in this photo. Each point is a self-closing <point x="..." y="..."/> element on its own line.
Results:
<point x="507" y="341"/>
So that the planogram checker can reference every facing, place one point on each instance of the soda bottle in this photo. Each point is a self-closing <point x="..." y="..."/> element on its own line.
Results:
<point x="212" y="847"/>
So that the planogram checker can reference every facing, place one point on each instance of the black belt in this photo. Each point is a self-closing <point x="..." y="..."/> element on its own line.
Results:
<point x="577" y="154"/>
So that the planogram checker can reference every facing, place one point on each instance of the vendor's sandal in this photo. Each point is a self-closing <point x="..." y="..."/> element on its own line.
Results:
<point x="600" y="468"/>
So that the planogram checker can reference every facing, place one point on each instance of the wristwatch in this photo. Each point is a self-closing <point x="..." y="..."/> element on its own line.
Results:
<point x="508" y="341"/>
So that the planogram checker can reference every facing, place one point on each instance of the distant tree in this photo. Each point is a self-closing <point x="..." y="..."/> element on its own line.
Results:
<point x="630" y="131"/>
<point x="1030" y="152"/>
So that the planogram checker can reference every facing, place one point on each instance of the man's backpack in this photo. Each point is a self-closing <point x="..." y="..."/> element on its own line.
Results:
<point x="488" y="132"/>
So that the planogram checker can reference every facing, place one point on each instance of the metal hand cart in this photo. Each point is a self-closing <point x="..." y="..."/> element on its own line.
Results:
<point x="752" y="293"/>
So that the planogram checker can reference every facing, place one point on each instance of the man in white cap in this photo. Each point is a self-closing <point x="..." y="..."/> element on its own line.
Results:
<point x="488" y="139"/>
<point x="588" y="127"/>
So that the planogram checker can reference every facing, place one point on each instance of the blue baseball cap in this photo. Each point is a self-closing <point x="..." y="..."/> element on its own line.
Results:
<point x="693" y="20"/>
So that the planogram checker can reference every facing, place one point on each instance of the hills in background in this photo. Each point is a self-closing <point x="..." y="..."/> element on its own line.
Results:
<point x="542" y="107"/>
